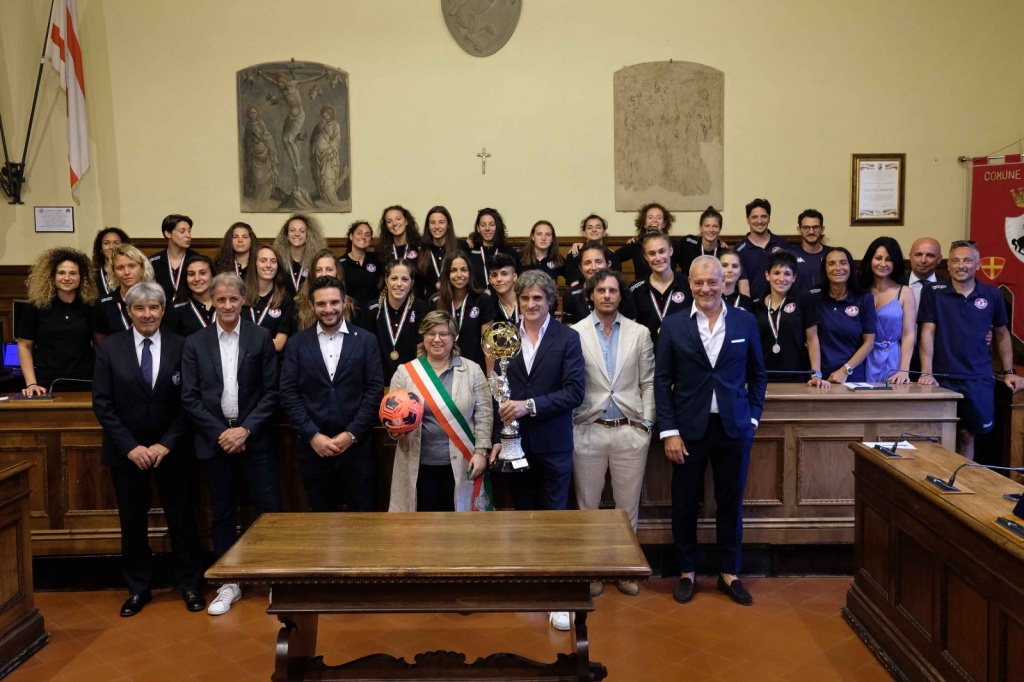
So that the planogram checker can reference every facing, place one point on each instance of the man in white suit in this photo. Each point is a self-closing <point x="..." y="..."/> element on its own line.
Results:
<point x="612" y="428"/>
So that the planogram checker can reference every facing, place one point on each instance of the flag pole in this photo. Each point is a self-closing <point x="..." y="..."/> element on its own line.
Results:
<point x="39" y="78"/>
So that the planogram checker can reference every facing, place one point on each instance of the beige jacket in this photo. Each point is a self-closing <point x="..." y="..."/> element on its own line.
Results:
<point x="473" y="398"/>
<point x="632" y="387"/>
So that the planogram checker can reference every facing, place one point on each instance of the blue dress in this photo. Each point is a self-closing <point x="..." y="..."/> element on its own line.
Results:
<point x="884" y="359"/>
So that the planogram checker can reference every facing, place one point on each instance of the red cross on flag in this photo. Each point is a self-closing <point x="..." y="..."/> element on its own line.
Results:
<point x="65" y="53"/>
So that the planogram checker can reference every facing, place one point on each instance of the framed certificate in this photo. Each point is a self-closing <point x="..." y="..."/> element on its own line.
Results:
<point x="877" y="189"/>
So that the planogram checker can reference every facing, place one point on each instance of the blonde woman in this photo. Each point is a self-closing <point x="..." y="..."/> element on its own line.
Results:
<point x="55" y="331"/>
<point x="441" y="465"/>
<point x="126" y="267"/>
<point x="298" y="239"/>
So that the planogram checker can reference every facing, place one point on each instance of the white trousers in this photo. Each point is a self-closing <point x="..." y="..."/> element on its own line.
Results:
<point x="621" y="449"/>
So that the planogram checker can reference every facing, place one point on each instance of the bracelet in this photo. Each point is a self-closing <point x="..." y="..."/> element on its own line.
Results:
<point x="31" y="385"/>
<point x="924" y="374"/>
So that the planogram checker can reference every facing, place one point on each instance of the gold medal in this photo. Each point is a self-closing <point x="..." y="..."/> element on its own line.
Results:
<point x="394" y="355"/>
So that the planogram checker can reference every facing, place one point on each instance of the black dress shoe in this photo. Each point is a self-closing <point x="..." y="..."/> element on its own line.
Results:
<point x="135" y="603"/>
<point x="194" y="600"/>
<point x="736" y="591"/>
<point x="684" y="591"/>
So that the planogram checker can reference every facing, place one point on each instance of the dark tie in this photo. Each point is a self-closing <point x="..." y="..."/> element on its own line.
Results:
<point x="147" y="362"/>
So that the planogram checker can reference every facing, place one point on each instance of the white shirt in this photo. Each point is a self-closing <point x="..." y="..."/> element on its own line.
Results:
<point x="530" y="350"/>
<point x="154" y="350"/>
<point x="916" y="285"/>
<point x="229" y="367"/>
<point x="330" y="346"/>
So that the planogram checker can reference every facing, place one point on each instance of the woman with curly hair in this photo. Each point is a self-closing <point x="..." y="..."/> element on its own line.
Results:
<point x="298" y="239"/>
<point x="438" y="241"/>
<point x="651" y="216"/>
<point x="106" y="241"/>
<point x="126" y="268"/>
<point x="489" y="237"/>
<point x="399" y="235"/>
<point x="362" y="267"/>
<point x="55" y="331"/>
<point x="237" y="250"/>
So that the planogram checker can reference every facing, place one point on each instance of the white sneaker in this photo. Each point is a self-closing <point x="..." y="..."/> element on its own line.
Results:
<point x="227" y="594"/>
<point x="559" y="620"/>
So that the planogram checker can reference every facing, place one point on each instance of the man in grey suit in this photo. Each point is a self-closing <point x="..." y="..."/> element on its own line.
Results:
<point x="612" y="428"/>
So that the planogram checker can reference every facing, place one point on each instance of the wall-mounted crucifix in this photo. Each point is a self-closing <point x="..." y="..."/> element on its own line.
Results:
<point x="483" y="160"/>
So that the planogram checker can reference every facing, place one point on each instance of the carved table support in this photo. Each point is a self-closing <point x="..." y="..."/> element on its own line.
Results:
<point x="296" y="643"/>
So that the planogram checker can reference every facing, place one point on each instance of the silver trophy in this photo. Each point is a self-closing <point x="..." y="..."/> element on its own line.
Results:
<point x="502" y="343"/>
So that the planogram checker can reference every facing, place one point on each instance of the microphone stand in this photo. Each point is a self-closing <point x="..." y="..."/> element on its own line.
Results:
<point x="891" y="450"/>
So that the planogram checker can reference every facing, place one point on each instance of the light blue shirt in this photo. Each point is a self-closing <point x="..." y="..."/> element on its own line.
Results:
<point x="609" y="351"/>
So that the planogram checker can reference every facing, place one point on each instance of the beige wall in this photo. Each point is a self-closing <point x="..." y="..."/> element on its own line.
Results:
<point x="807" y="83"/>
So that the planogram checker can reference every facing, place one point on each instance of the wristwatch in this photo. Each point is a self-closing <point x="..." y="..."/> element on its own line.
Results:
<point x="1009" y="371"/>
<point x="531" y="407"/>
<point x="352" y="436"/>
<point x="817" y="375"/>
<point x="849" y="370"/>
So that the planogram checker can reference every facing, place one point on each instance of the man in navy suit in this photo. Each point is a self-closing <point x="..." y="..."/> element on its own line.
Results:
<point x="709" y="387"/>
<point x="546" y="383"/>
<point x="330" y="388"/>
<point x="137" y="400"/>
<point x="229" y="390"/>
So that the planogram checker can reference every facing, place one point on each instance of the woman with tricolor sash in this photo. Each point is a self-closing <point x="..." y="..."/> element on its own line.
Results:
<point x="441" y="466"/>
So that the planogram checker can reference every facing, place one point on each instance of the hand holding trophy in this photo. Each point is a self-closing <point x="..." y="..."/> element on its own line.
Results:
<point x="502" y="343"/>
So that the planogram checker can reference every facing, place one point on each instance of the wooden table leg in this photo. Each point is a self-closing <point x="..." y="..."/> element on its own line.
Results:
<point x="580" y="645"/>
<point x="296" y="641"/>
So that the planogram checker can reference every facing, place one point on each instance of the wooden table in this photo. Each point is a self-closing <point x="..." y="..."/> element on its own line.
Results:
<point x="469" y="562"/>
<point x="937" y="591"/>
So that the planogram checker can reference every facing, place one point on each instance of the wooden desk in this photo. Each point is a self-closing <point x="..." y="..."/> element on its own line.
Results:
<point x="469" y="562"/>
<point x="22" y="631"/>
<point x="937" y="591"/>
<point x="799" y="490"/>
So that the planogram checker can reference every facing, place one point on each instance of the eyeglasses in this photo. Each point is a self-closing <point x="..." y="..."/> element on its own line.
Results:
<point x="442" y="336"/>
<point x="812" y="228"/>
<point x="960" y="243"/>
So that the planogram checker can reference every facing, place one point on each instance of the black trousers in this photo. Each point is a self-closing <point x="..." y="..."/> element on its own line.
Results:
<point x="131" y="486"/>
<point x="730" y="459"/>
<point x="545" y="485"/>
<point x="258" y="467"/>
<point x="350" y="477"/>
<point x="435" y="488"/>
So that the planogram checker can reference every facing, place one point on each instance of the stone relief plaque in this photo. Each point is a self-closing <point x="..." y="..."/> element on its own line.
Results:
<point x="669" y="136"/>
<point x="293" y="138"/>
<point x="481" y="27"/>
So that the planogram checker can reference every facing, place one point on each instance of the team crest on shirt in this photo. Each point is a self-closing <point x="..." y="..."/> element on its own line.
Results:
<point x="789" y="307"/>
<point x="412" y="316"/>
<point x="370" y="267"/>
<point x="274" y="312"/>
<point x="410" y="254"/>
<point x="551" y="265"/>
<point x="980" y="303"/>
<point x="853" y="311"/>
<point x="677" y="297"/>
<point x="474" y="312"/>
<point x="776" y="249"/>
<point x="304" y="273"/>
<point x="176" y="378"/>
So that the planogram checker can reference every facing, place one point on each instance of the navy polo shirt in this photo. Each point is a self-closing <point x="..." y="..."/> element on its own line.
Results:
<point x="841" y="329"/>
<point x="808" y="268"/>
<point x="961" y="325"/>
<point x="753" y="259"/>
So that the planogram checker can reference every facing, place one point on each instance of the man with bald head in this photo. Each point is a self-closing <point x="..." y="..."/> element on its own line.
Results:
<point x="709" y="386"/>
<point x="925" y="256"/>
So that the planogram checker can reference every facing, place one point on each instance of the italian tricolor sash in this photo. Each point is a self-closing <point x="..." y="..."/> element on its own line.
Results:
<point x="440" y="402"/>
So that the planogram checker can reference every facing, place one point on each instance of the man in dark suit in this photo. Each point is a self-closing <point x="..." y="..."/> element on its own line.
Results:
<point x="229" y="390"/>
<point x="137" y="401"/>
<point x="330" y="388"/>
<point x="546" y="384"/>
<point x="709" y="387"/>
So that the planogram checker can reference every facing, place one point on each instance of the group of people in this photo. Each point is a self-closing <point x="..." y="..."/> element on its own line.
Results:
<point x="683" y="353"/>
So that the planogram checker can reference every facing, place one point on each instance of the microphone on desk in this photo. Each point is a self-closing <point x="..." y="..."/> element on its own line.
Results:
<point x="891" y="450"/>
<point x="49" y="394"/>
<point x="948" y="487"/>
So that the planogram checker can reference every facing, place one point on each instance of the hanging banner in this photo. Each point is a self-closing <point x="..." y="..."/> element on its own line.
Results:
<point x="997" y="225"/>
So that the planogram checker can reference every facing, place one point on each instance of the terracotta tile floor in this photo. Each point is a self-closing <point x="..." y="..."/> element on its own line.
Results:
<point x="793" y="632"/>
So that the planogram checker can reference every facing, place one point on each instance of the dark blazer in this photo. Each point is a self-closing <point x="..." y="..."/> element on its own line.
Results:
<point x="684" y="377"/>
<point x="203" y="384"/>
<point x="130" y="412"/>
<point x="556" y="385"/>
<point x="938" y="280"/>
<point x="316" y="404"/>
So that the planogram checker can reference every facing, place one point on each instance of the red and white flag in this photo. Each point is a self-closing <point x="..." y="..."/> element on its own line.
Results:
<point x="65" y="53"/>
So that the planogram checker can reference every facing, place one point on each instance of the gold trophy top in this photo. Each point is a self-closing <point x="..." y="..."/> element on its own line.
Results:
<point x="502" y="341"/>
